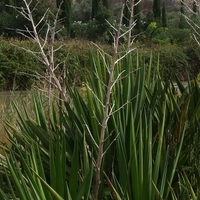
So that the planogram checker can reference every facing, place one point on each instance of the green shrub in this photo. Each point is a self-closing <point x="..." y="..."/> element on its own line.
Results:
<point x="89" y="30"/>
<point x="150" y="30"/>
<point x="181" y="60"/>
<point x="79" y="30"/>
<point x="180" y="36"/>
<point x="161" y="36"/>
<point x="81" y="11"/>
<point x="18" y="67"/>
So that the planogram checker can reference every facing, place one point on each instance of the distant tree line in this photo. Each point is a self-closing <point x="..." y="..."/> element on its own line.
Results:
<point x="95" y="13"/>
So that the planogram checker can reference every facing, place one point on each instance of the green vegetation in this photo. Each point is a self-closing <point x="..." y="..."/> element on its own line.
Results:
<point x="152" y="140"/>
<point x="119" y="124"/>
<point x="18" y="67"/>
<point x="157" y="9"/>
<point x="65" y="13"/>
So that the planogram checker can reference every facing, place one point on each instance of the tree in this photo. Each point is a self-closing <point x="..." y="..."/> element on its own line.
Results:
<point x="182" y="9"/>
<point x="82" y="11"/>
<point x="157" y="9"/>
<point x="182" y="22"/>
<point x="126" y="14"/>
<point x="66" y="13"/>
<point x="95" y="5"/>
<point x="164" y="17"/>
<point x="9" y="18"/>
<point x="105" y="3"/>
<point x="137" y="14"/>
<point x="195" y="6"/>
<point x="195" y="9"/>
<point x="102" y="16"/>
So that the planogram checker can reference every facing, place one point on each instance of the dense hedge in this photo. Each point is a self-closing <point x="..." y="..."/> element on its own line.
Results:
<point x="18" y="67"/>
<point x="182" y="60"/>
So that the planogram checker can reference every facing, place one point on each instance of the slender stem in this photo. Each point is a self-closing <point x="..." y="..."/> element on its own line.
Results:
<point x="106" y="112"/>
<point x="130" y="23"/>
<point x="48" y="62"/>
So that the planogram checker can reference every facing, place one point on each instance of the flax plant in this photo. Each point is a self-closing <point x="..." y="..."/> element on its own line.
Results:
<point x="151" y="141"/>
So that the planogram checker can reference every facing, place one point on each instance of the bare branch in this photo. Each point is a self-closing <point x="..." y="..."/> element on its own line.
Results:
<point x="96" y="96"/>
<point x="108" y="108"/>
<point x="197" y="41"/>
<point x="124" y="55"/>
<point x="117" y="79"/>
<point x="129" y="30"/>
<point x="115" y="29"/>
<point x="111" y="144"/>
<point x="101" y="50"/>
<point x="91" y="135"/>
<point x="42" y="18"/>
<point x="58" y="48"/>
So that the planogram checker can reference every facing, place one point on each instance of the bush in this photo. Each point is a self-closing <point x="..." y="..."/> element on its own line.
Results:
<point x="175" y="60"/>
<point x="81" y="11"/>
<point x="161" y="36"/>
<point x="79" y="30"/>
<point x="181" y="60"/>
<point x="9" y="23"/>
<point x="180" y="36"/>
<point x="89" y="31"/>
<point x="18" y="67"/>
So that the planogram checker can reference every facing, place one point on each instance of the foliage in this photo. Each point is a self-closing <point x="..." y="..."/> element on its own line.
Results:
<point x="176" y="60"/>
<point x="161" y="36"/>
<point x="14" y="72"/>
<point x="14" y="61"/>
<point x="85" y="8"/>
<point x="65" y="13"/>
<point x="9" y="24"/>
<point x="137" y="15"/>
<point x="103" y="15"/>
<point x="79" y="29"/>
<point x="193" y="53"/>
<point x="19" y="68"/>
<point x="89" y="31"/>
<point x="180" y="36"/>
<point x="182" y="23"/>
<point x="155" y="33"/>
<point x="152" y="141"/>
<point x="150" y="30"/>
<point x="96" y="29"/>
<point x="126" y="14"/>
<point x="164" y="17"/>
<point x="11" y="20"/>
<point x="157" y="9"/>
